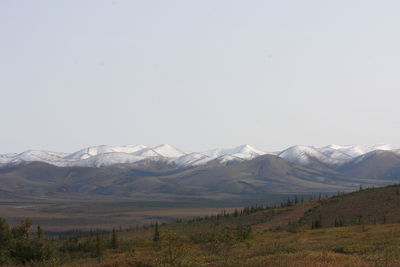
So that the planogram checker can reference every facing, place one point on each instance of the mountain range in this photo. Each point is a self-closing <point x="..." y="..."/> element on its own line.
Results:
<point x="101" y="156"/>
<point x="130" y="171"/>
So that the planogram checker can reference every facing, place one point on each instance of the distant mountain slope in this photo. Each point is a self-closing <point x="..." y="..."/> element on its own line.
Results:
<point x="353" y="150"/>
<point x="307" y="156"/>
<point x="262" y="175"/>
<point x="337" y="153"/>
<point x="126" y="171"/>
<point x="377" y="164"/>
<point x="39" y="179"/>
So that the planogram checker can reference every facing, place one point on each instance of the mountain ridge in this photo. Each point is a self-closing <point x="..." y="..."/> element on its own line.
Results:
<point x="104" y="155"/>
<point x="243" y="170"/>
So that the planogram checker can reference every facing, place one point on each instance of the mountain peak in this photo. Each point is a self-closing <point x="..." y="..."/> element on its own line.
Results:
<point x="247" y="149"/>
<point x="303" y="154"/>
<point x="168" y="151"/>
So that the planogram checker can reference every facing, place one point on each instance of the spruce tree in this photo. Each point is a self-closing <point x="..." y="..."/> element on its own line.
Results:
<point x="39" y="232"/>
<point x="236" y="213"/>
<point x="22" y="251"/>
<point x="288" y="203"/>
<point x="156" y="236"/>
<point x="114" y="239"/>
<point x="5" y="242"/>
<point x="40" y="248"/>
<point x="99" y="246"/>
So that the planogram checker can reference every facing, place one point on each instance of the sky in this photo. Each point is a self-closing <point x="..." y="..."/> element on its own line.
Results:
<point x="198" y="74"/>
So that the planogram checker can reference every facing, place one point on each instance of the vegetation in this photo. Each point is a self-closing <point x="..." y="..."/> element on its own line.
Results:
<point x="293" y="233"/>
<point x="18" y="246"/>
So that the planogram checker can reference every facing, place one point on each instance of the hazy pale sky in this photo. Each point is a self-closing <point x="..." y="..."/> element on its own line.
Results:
<point x="198" y="74"/>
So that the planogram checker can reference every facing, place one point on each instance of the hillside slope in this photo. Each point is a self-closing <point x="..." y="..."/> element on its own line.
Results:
<point x="367" y="206"/>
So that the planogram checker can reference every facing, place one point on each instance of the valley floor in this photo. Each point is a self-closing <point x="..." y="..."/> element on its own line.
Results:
<point x="107" y="212"/>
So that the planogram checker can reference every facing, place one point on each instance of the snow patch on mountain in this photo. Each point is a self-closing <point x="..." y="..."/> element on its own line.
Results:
<point x="192" y="159"/>
<point x="303" y="155"/>
<point x="333" y="152"/>
<point x="242" y="151"/>
<point x="355" y="150"/>
<point x="34" y="155"/>
<point x="107" y="159"/>
<point x="147" y="152"/>
<point x="95" y="150"/>
<point x="229" y="159"/>
<point x="168" y="151"/>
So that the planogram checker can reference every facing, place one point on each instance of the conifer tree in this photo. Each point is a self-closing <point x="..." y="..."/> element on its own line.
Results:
<point x="156" y="236"/>
<point x="235" y="213"/>
<point x="5" y="241"/>
<point x="114" y="239"/>
<point x="21" y="235"/>
<point x="99" y="247"/>
<point x="316" y="222"/>
<point x="40" y="248"/>
<point x="39" y="232"/>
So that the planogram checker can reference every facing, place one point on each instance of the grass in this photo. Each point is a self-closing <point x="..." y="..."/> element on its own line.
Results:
<point x="377" y="245"/>
<point x="279" y="236"/>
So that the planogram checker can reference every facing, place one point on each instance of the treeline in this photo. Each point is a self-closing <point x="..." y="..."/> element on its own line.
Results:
<point x="92" y="245"/>
<point x="247" y="210"/>
<point x="19" y="245"/>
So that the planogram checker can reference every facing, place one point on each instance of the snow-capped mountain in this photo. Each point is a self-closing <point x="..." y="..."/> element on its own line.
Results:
<point x="34" y="155"/>
<point x="304" y="155"/>
<point x="222" y="155"/>
<point x="243" y="152"/>
<point x="103" y="155"/>
<point x="353" y="150"/>
<point x="95" y="150"/>
<point x="329" y="155"/>
<point x="334" y="152"/>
